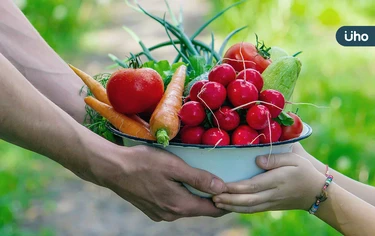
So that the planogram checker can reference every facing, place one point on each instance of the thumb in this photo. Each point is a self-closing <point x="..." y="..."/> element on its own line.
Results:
<point x="201" y="180"/>
<point x="273" y="161"/>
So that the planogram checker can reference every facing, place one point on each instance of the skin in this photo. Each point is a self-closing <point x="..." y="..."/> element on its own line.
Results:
<point x="41" y="110"/>
<point x="292" y="182"/>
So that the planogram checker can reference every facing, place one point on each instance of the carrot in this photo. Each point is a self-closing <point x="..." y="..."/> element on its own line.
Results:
<point x="118" y="120"/>
<point x="96" y="88"/>
<point x="100" y="92"/>
<point x="164" y="122"/>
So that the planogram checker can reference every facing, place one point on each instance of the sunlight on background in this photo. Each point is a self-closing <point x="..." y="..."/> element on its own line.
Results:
<point x="343" y="79"/>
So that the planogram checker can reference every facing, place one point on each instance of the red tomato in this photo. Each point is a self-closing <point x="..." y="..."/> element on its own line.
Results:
<point x="293" y="131"/>
<point x="133" y="91"/>
<point x="245" y="55"/>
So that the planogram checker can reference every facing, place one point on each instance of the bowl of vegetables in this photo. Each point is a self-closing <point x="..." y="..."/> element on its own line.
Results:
<point x="217" y="110"/>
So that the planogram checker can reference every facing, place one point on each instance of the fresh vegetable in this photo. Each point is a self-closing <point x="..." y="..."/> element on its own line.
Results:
<point x="223" y="74"/>
<point x="120" y="121"/>
<point x="282" y="75"/>
<point x="292" y="131"/>
<point x="271" y="133"/>
<point x="95" y="87"/>
<point x="164" y="122"/>
<point x="258" y="117"/>
<point x="277" y="52"/>
<point x="195" y="89"/>
<point x="244" y="135"/>
<point x="273" y="97"/>
<point x="246" y="55"/>
<point x="133" y="91"/>
<point x="189" y="86"/>
<point x="252" y="76"/>
<point x="192" y="113"/>
<point x="212" y="95"/>
<point x="192" y="135"/>
<point x="241" y="92"/>
<point x="226" y="118"/>
<point x="215" y="137"/>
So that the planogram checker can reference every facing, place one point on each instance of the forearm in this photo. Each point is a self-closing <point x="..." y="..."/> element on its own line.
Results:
<point x="31" y="55"/>
<point x="365" y="192"/>
<point x="30" y="120"/>
<point x="347" y="213"/>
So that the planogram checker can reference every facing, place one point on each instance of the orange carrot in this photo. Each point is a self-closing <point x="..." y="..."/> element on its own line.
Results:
<point x="118" y="120"/>
<point x="100" y="92"/>
<point x="96" y="88"/>
<point x="164" y="122"/>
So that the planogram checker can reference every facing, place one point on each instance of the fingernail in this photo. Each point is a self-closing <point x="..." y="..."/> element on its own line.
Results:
<point x="263" y="159"/>
<point x="216" y="186"/>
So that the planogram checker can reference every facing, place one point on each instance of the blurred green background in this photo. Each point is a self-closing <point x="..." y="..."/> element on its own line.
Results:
<point x="341" y="79"/>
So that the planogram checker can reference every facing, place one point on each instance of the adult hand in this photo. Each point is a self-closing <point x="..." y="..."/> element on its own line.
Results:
<point x="150" y="179"/>
<point x="291" y="182"/>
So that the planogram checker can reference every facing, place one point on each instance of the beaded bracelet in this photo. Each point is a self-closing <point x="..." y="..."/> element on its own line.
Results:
<point x="324" y="195"/>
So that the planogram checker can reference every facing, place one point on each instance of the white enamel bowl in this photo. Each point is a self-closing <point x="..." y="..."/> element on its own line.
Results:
<point x="230" y="163"/>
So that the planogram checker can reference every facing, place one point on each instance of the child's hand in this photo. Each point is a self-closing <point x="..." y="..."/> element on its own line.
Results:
<point x="291" y="182"/>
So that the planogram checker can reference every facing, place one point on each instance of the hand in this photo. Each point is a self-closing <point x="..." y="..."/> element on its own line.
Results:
<point x="150" y="179"/>
<point x="291" y="182"/>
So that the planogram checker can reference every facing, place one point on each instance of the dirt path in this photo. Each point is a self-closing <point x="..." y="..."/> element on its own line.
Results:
<point x="80" y="208"/>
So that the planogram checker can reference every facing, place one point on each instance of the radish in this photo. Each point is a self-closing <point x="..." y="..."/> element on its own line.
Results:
<point x="271" y="133"/>
<point x="223" y="74"/>
<point x="195" y="89"/>
<point x="244" y="135"/>
<point x="274" y="97"/>
<point x="215" y="137"/>
<point x="186" y="99"/>
<point x="258" y="117"/>
<point x="253" y="76"/>
<point x="241" y="92"/>
<point x="192" y="113"/>
<point x="212" y="95"/>
<point x="192" y="135"/>
<point x="226" y="118"/>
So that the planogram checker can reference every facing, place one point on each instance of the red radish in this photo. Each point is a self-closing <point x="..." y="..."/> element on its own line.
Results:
<point x="192" y="113"/>
<point x="293" y="131"/>
<point x="223" y="74"/>
<point x="215" y="137"/>
<point x="133" y="91"/>
<point x="241" y="92"/>
<point x="253" y="76"/>
<point x="212" y="95"/>
<point x="227" y="118"/>
<point x="192" y="135"/>
<point x="271" y="133"/>
<point x="187" y="99"/>
<point x="195" y="89"/>
<point x="244" y="135"/>
<point x="274" y="97"/>
<point x="258" y="117"/>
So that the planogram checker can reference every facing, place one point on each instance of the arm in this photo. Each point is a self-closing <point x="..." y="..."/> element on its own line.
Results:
<point x="148" y="178"/>
<point x="292" y="182"/>
<point x="363" y="191"/>
<point x="31" y="55"/>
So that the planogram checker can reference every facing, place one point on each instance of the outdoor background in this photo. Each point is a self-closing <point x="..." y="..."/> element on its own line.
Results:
<point x="38" y="197"/>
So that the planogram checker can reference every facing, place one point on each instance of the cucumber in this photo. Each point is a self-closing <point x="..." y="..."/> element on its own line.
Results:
<point x="277" y="52"/>
<point x="203" y="76"/>
<point x="282" y="75"/>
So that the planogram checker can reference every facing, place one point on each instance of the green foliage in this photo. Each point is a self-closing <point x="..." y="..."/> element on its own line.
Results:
<point x="339" y="78"/>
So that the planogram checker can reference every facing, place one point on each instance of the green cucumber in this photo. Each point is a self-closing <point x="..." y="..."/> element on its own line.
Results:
<point x="277" y="52"/>
<point x="282" y="75"/>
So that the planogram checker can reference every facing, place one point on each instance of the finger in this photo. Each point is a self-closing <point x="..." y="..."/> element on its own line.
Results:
<point x="258" y="183"/>
<point x="245" y="199"/>
<point x="269" y="162"/>
<point x="268" y="206"/>
<point x="200" y="179"/>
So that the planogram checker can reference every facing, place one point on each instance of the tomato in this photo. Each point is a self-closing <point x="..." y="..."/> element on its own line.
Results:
<point x="245" y="55"/>
<point x="133" y="91"/>
<point x="293" y="131"/>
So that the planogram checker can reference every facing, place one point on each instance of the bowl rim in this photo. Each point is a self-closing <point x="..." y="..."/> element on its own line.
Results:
<point x="202" y="146"/>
